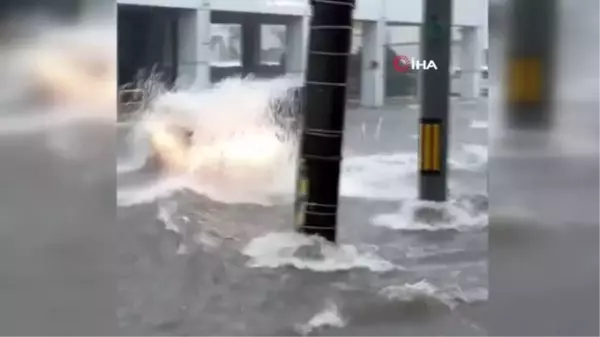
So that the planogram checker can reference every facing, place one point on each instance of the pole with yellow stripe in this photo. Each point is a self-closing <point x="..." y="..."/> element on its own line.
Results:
<point x="430" y="147"/>
<point x="435" y="101"/>
<point x="530" y="62"/>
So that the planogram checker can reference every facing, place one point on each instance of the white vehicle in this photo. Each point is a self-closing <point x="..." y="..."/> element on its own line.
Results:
<point x="455" y="74"/>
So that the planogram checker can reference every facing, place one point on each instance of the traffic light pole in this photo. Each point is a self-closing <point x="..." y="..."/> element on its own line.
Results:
<point x="323" y="112"/>
<point x="435" y="85"/>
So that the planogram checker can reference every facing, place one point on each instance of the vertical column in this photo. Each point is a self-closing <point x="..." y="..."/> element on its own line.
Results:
<point x="372" y="86"/>
<point x="194" y="48"/>
<point x="296" y="43"/>
<point x="324" y="111"/>
<point x="471" y="57"/>
<point x="435" y="40"/>
<point x="251" y="34"/>
<point x="156" y="33"/>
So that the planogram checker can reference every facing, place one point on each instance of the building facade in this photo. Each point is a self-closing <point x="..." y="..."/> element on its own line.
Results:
<point x="196" y="41"/>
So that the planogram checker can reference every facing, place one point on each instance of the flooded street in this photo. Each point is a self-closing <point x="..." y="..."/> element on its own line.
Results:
<point x="191" y="265"/>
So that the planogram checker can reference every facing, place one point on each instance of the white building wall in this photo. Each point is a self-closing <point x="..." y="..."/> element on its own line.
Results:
<point x="282" y="7"/>
<point x="404" y="40"/>
<point x="466" y="12"/>
<point x="188" y="4"/>
<point x="194" y="49"/>
<point x="372" y="87"/>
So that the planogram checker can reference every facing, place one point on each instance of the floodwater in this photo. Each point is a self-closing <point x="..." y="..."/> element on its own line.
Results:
<point x="194" y="262"/>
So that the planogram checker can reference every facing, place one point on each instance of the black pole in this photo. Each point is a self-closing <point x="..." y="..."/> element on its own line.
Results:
<point x="250" y="46"/>
<point x="323" y="111"/>
<point x="435" y="85"/>
<point x="530" y="64"/>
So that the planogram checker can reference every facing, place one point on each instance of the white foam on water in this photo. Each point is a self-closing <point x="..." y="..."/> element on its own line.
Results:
<point x="165" y="215"/>
<point x="480" y="151"/>
<point x="473" y="157"/>
<point x="137" y="150"/>
<point x="166" y="186"/>
<point x="380" y="177"/>
<point x="329" y="317"/>
<point x="457" y="217"/>
<point x="275" y="250"/>
<point x="208" y="240"/>
<point x="423" y="252"/>
<point x="419" y="291"/>
<point x="394" y="176"/>
<point x="128" y="196"/>
<point x="473" y="295"/>
<point x="426" y="291"/>
<point x="450" y="296"/>
<point x="237" y="153"/>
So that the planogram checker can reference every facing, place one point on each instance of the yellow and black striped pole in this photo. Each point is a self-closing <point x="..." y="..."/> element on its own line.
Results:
<point x="430" y="147"/>
<point x="323" y="111"/>
<point x="435" y="45"/>
<point x="530" y="64"/>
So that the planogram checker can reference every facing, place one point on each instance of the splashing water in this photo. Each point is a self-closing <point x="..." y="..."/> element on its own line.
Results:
<point x="329" y="317"/>
<point x="451" y="215"/>
<point x="226" y="143"/>
<point x="275" y="250"/>
<point x="425" y="291"/>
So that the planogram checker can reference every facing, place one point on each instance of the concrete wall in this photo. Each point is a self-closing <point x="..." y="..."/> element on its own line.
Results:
<point x="404" y="40"/>
<point x="188" y="4"/>
<point x="402" y="18"/>
<point x="466" y="12"/>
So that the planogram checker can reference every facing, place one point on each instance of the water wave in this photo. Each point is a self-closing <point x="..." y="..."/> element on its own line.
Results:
<point x="424" y="291"/>
<point x="421" y="215"/>
<point x="275" y="250"/>
<point x="329" y="317"/>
